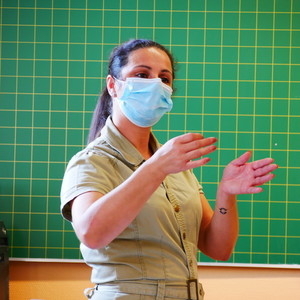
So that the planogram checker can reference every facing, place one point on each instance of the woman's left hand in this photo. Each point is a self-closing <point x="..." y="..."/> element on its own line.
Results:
<point x="241" y="177"/>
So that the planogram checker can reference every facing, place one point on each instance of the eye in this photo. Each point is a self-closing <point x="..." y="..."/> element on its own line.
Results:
<point x="141" y="75"/>
<point x="165" y="80"/>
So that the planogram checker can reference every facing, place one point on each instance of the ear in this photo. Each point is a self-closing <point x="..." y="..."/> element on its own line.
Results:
<point x="110" y="85"/>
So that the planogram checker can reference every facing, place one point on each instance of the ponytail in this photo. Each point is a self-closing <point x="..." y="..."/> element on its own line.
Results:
<point x="102" y="111"/>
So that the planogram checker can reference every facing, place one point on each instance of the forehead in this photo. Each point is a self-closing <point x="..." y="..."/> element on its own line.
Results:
<point x="150" y="56"/>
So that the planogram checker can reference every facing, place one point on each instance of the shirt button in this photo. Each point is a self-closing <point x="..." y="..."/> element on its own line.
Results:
<point x="177" y="208"/>
<point x="191" y="263"/>
<point x="184" y="236"/>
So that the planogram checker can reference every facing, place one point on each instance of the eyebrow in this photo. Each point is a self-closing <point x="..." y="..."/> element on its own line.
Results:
<point x="149" y="68"/>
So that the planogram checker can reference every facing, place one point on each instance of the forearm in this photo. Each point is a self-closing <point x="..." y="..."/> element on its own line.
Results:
<point x="109" y="215"/>
<point x="219" y="232"/>
<point x="220" y="235"/>
<point x="98" y="219"/>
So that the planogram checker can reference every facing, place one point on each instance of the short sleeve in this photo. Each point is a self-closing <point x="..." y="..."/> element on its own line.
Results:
<point x="86" y="172"/>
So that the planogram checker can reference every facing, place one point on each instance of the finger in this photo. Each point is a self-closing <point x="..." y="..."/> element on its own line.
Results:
<point x="262" y="162"/>
<point x="199" y="144"/>
<point x="200" y="152"/>
<point x="193" y="137"/>
<point x="242" y="159"/>
<point x="189" y="137"/>
<point x="254" y="190"/>
<point x="192" y="164"/>
<point x="265" y="170"/>
<point x="263" y="179"/>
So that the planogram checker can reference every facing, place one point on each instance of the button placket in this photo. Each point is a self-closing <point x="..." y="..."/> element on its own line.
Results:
<point x="182" y="227"/>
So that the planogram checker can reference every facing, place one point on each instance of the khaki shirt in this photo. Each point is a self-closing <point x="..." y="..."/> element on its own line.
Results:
<point x="161" y="243"/>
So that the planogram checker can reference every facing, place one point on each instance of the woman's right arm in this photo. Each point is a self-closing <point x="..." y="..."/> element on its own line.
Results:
<point x="98" y="219"/>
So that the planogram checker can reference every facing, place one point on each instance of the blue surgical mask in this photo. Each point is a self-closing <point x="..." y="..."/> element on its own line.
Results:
<point x="145" y="101"/>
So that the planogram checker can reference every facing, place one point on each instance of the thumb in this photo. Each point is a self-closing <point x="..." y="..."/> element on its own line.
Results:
<point x="241" y="160"/>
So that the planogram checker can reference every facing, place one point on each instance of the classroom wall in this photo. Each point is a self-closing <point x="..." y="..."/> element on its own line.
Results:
<point x="52" y="60"/>
<point x="238" y="67"/>
<point x="55" y="281"/>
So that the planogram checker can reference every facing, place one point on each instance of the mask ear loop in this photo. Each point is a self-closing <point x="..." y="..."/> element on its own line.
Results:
<point x="120" y="84"/>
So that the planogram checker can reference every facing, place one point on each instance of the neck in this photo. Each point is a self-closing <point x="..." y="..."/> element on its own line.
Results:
<point x="138" y="136"/>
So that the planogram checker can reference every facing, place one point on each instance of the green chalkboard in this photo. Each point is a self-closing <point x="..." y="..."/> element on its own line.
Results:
<point x="238" y="79"/>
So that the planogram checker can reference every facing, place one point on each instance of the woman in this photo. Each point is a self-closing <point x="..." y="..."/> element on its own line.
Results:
<point x="135" y="205"/>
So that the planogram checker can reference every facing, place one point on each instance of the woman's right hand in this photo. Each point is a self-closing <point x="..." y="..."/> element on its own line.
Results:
<point x="183" y="153"/>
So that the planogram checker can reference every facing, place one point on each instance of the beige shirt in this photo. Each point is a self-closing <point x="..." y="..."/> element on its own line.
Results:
<point x="161" y="243"/>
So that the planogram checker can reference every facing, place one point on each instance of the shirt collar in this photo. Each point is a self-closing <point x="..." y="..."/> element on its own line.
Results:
<point x="119" y="143"/>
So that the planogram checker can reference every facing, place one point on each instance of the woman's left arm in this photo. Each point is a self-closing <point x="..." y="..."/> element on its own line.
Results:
<point x="219" y="228"/>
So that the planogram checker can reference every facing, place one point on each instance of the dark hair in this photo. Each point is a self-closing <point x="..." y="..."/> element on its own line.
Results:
<point x="117" y="60"/>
